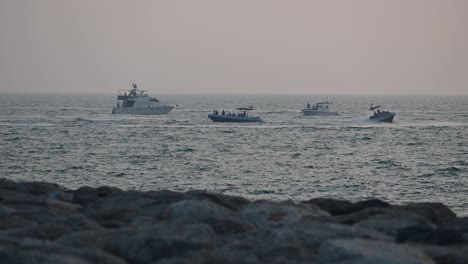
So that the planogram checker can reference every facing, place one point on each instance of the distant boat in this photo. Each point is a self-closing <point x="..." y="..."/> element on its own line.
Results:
<point x="319" y="109"/>
<point x="227" y="117"/>
<point x="138" y="102"/>
<point x="248" y="108"/>
<point x="381" y="116"/>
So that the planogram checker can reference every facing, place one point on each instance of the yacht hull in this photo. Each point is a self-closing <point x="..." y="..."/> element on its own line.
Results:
<point x="309" y="112"/>
<point x="236" y="119"/>
<point x="160" y="110"/>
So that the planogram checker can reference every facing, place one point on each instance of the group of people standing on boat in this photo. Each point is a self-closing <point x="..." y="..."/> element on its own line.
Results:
<point x="381" y="113"/>
<point x="215" y="112"/>
<point x="316" y="106"/>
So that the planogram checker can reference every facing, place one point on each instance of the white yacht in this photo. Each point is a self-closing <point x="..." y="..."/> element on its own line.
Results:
<point x="319" y="109"/>
<point x="138" y="102"/>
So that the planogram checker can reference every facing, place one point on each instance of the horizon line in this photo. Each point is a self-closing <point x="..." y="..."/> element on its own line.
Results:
<point x="155" y="94"/>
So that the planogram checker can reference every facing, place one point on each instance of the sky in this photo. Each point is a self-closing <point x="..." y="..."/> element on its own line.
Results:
<point x="235" y="47"/>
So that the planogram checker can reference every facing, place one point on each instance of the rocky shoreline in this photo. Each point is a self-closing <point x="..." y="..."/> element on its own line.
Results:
<point x="46" y="223"/>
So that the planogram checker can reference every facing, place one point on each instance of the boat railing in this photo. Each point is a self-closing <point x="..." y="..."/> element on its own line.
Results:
<point x="129" y="92"/>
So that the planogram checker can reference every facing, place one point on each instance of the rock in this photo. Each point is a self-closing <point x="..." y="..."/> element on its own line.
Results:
<point x="48" y="224"/>
<point x="53" y="228"/>
<point x="296" y="242"/>
<point x="115" y="218"/>
<point x="33" y="188"/>
<point x="223" y="226"/>
<point x="396" y="223"/>
<point x="40" y="249"/>
<point x="435" y="212"/>
<point x="341" y="207"/>
<point x="38" y="231"/>
<point x="361" y="215"/>
<point x="11" y="221"/>
<point x="233" y="203"/>
<point x="8" y="220"/>
<point x="424" y="234"/>
<point x="86" y="195"/>
<point x="60" y="196"/>
<point x="74" y="222"/>
<point x="15" y="198"/>
<point x="62" y="205"/>
<point x="333" y="206"/>
<point x="40" y="188"/>
<point x="10" y="255"/>
<point x="456" y="254"/>
<point x="457" y="225"/>
<point x="121" y="208"/>
<point x="198" y="210"/>
<point x="147" y="244"/>
<point x="264" y="214"/>
<point x="357" y="251"/>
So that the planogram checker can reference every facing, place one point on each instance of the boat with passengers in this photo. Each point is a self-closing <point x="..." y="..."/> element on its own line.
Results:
<point x="319" y="109"/>
<point x="232" y="117"/>
<point x="135" y="101"/>
<point x="381" y="116"/>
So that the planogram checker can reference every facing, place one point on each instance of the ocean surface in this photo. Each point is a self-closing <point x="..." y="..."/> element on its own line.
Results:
<point x="74" y="140"/>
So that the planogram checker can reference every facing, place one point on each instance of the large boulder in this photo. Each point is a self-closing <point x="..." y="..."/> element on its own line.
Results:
<point x="342" y="207"/>
<point x="296" y="242"/>
<point x="147" y="244"/>
<point x="435" y="212"/>
<point x="86" y="195"/>
<point x="34" y="188"/>
<point x="25" y="250"/>
<point x="363" y="251"/>
<point x="197" y="210"/>
<point x="457" y="225"/>
<point x="53" y="227"/>
<point x="453" y="254"/>
<point x="395" y="223"/>
<point x="234" y="203"/>
<point x="265" y="214"/>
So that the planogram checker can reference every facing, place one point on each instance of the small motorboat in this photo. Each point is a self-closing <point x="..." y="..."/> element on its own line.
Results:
<point x="319" y="109"/>
<point x="248" y="108"/>
<point x="381" y="116"/>
<point x="228" y="117"/>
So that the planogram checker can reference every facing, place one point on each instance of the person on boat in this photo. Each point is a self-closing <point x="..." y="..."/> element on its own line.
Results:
<point x="308" y="105"/>
<point x="245" y="114"/>
<point x="223" y="112"/>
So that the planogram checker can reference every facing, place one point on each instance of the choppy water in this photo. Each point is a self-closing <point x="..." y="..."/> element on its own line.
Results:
<point x="74" y="140"/>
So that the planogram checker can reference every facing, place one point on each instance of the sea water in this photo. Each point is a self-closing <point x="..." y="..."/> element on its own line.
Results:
<point x="74" y="140"/>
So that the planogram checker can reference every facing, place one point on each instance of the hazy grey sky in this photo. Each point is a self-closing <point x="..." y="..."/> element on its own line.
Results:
<point x="236" y="46"/>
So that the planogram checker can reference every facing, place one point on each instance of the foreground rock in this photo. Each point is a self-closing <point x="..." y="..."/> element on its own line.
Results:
<point x="46" y="223"/>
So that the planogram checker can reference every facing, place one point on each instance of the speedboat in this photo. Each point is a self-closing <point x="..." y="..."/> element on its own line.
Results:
<point x="381" y="116"/>
<point x="228" y="117"/>
<point x="135" y="101"/>
<point x="248" y="108"/>
<point x="319" y="109"/>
